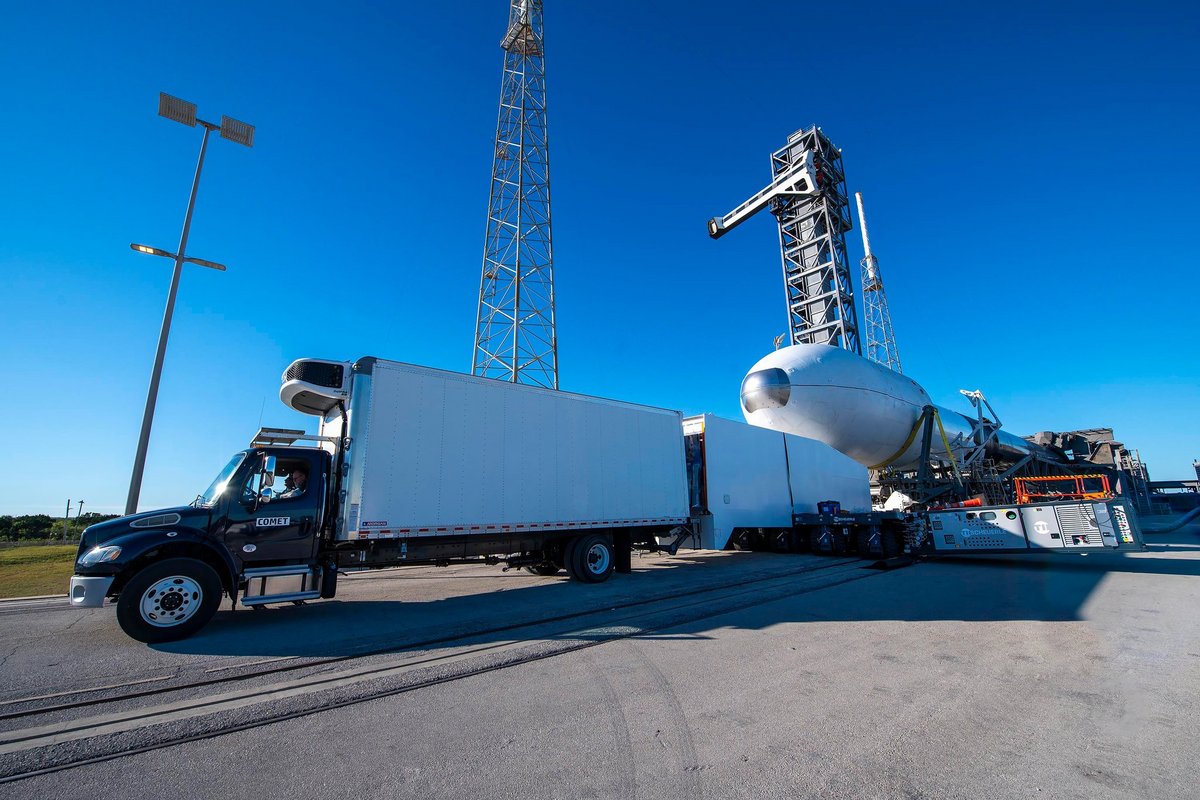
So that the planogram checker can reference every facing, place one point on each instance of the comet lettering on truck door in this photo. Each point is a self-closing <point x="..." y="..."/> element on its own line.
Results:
<point x="272" y="522"/>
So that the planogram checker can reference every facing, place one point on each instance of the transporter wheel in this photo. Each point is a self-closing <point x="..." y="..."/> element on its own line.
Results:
<point x="593" y="558"/>
<point x="891" y="540"/>
<point x="169" y="600"/>
<point x="781" y="542"/>
<point x="822" y="540"/>
<point x="801" y="540"/>
<point x="868" y="542"/>
<point x="544" y="569"/>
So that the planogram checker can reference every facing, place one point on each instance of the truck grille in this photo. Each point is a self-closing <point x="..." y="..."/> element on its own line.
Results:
<point x="319" y="373"/>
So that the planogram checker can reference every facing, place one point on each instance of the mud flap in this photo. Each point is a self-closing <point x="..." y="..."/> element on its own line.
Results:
<point x="623" y="552"/>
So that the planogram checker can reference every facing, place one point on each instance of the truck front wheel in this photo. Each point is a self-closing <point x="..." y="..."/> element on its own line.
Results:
<point x="593" y="558"/>
<point x="169" y="600"/>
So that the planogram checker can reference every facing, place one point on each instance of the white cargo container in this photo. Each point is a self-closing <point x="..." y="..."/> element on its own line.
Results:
<point x="744" y="478"/>
<point x="436" y="453"/>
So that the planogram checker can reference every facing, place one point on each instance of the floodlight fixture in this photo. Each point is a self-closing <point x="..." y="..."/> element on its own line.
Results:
<point x="176" y="109"/>
<point x="148" y="250"/>
<point x="201" y="262"/>
<point x="237" y="131"/>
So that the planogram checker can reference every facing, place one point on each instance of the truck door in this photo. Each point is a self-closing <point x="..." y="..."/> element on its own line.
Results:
<point x="281" y="526"/>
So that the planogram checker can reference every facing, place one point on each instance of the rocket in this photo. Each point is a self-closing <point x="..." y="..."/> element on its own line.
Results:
<point x="860" y="408"/>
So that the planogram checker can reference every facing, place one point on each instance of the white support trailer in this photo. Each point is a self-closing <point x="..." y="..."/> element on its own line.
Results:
<point x="745" y="479"/>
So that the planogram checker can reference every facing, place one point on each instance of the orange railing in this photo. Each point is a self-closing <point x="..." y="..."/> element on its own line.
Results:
<point x="1062" y="487"/>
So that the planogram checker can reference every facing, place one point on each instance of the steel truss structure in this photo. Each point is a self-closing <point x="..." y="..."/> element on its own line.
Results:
<point x="812" y="238"/>
<point x="514" y="328"/>
<point x="881" y="341"/>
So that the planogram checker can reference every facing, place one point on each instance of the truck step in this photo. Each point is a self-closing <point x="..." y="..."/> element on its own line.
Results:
<point x="280" y="584"/>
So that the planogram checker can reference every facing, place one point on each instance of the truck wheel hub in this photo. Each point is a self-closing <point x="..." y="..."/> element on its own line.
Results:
<point x="597" y="559"/>
<point x="171" y="601"/>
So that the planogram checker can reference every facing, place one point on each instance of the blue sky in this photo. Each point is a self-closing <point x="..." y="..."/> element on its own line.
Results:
<point x="1029" y="171"/>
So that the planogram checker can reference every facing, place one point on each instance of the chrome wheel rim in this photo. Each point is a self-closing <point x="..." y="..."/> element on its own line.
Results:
<point x="171" y="601"/>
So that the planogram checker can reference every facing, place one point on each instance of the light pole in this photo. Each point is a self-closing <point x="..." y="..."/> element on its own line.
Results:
<point x="181" y="111"/>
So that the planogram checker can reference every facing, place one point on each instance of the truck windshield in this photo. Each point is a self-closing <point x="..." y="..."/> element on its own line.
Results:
<point x="218" y="485"/>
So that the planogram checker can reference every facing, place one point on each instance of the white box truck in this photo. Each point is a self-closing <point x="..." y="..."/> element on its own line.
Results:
<point x="410" y="465"/>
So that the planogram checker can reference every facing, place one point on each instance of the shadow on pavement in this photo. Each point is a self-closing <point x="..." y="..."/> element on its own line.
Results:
<point x="969" y="588"/>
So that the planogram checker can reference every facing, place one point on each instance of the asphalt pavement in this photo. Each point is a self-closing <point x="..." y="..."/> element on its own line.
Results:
<point x="975" y="677"/>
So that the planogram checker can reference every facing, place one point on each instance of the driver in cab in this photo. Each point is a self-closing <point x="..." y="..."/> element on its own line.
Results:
<point x="294" y="485"/>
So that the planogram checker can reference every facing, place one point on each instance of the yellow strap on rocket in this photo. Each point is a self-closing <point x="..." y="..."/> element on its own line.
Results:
<point x="946" y="444"/>
<point x="907" y="442"/>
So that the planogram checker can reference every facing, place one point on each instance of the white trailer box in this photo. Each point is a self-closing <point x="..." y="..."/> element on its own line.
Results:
<point x="436" y="453"/>
<point x="745" y="476"/>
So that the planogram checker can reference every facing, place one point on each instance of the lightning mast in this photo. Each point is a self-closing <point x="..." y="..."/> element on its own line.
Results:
<point x="514" y="329"/>
<point x="881" y="342"/>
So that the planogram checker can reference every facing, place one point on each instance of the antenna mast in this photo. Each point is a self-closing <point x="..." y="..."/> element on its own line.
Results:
<point x="881" y="341"/>
<point x="514" y="327"/>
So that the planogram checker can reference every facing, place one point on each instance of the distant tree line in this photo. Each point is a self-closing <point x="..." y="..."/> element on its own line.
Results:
<point x="40" y="527"/>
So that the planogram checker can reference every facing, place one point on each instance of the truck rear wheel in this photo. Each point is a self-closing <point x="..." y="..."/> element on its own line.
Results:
<point x="593" y="558"/>
<point x="544" y="569"/>
<point x="169" y="600"/>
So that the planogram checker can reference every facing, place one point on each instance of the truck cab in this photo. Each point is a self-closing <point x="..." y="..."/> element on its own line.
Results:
<point x="256" y="530"/>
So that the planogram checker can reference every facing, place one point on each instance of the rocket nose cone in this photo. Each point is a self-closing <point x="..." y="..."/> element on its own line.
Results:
<point x="765" y="388"/>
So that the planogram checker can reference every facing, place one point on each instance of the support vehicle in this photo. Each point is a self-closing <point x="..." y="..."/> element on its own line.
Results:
<point x="409" y="465"/>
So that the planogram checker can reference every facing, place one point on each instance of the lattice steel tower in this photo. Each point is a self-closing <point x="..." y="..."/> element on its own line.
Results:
<point x="881" y="342"/>
<point x="514" y="329"/>
<point x="812" y="236"/>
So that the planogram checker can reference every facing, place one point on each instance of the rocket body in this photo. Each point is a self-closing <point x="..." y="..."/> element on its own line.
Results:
<point x="856" y="406"/>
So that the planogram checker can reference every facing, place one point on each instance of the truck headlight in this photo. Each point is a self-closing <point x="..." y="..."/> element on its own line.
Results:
<point x="99" y="555"/>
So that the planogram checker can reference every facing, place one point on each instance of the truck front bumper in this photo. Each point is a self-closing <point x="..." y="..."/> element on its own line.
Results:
<point x="89" y="591"/>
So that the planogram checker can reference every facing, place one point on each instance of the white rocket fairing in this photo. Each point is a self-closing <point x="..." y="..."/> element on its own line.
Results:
<point x="855" y="406"/>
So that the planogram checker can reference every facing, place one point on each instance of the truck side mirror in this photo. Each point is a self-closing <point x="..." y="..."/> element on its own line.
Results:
<point x="269" y="470"/>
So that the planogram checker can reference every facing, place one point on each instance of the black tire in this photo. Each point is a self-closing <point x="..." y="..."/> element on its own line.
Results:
<point x="568" y="554"/>
<point x="801" y="540"/>
<point x="869" y="542"/>
<point x="892" y="542"/>
<point x="544" y="569"/>
<point x="182" y="589"/>
<point x="593" y="558"/>
<point x="862" y="542"/>
<point x="823" y="540"/>
<point x="780" y="542"/>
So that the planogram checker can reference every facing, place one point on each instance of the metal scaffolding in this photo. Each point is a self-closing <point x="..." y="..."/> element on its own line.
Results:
<point x="881" y="341"/>
<point x="514" y="329"/>
<point x="812" y="237"/>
